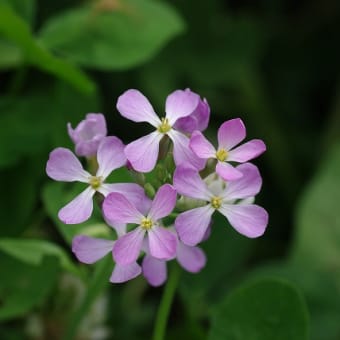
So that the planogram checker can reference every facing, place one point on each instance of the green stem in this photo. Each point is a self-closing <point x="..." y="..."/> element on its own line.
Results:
<point x="166" y="302"/>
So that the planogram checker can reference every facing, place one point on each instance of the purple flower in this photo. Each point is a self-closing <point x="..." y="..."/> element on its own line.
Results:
<point x="63" y="165"/>
<point x="192" y="259"/>
<point x="230" y="133"/>
<point x="89" y="250"/>
<point x="198" y="120"/>
<point x="248" y="219"/>
<point x="88" y="134"/>
<point x="143" y="152"/>
<point x="161" y="242"/>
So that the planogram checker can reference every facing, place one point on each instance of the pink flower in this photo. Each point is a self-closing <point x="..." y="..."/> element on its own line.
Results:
<point x="88" y="134"/>
<point x="161" y="242"/>
<point x="248" y="219"/>
<point x="230" y="133"/>
<point x="143" y="152"/>
<point x="89" y="250"/>
<point x="63" y="165"/>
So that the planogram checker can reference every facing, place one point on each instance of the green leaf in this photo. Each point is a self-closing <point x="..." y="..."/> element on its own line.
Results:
<point x="24" y="286"/>
<point x="265" y="309"/>
<point x="24" y="8"/>
<point x="16" y="30"/>
<point x="119" y="37"/>
<point x="10" y="56"/>
<point x="34" y="251"/>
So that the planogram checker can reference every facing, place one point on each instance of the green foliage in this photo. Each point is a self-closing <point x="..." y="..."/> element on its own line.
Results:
<point x="261" y="310"/>
<point x="112" y="34"/>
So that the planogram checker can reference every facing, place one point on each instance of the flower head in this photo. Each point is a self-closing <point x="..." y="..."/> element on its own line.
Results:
<point x="63" y="165"/>
<point x="162" y="243"/>
<point x="248" y="219"/>
<point x="230" y="133"/>
<point x="88" y="134"/>
<point x="143" y="152"/>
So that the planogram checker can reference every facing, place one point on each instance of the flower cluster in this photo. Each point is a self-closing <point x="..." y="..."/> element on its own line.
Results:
<point x="181" y="179"/>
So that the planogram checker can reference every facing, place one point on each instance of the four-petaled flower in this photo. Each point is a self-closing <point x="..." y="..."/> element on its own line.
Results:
<point x="230" y="133"/>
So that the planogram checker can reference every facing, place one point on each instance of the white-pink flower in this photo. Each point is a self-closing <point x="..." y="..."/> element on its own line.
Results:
<point x="248" y="219"/>
<point x="161" y="242"/>
<point x="230" y="133"/>
<point x="63" y="165"/>
<point x="143" y="152"/>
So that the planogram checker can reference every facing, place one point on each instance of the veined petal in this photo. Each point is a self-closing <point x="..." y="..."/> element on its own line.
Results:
<point x="227" y="171"/>
<point x="247" y="186"/>
<point x="231" y="133"/>
<point x="89" y="250"/>
<point x="117" y="208"/>
<point x="201" y="146"/>
<point x="79" y="209"/>
<point x="162" y="243"/>
<point x="63" y="165"/>
<point x="125" y="273"/>
<point x="247" y="151"/>
<point x="180" y="104"/>
<point x="110" y="156"/>
<point x="188" y="182"/>
<point x="154" y="270"/>
<point x="182" y="151"/>
<point x="249" y="220"/>
<point x="126" y="249"/>
<point x="133" y="105"/>
<point x="163" y="203"/>
<point x="191" y="259"/>
<point x="143" y="152"/>
<point x="133" y="192"/>
<point x="192" y="224"/>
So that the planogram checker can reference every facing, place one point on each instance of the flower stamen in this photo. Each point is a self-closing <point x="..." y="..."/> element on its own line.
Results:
<point x="95" y="182"/>
<point x="146" y="223"/>
<point x="222" y="155"/>
<point x="216" y="202"/>
<point x="165" y="126"/>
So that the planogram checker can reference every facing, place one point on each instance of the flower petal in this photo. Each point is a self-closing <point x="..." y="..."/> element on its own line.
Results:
<point x="63" y="165"/>
<point x="127" y="248"/>
<point x="117" y="208"/>
<point x="247" y="151"/>
<point x="143" y="152"/>
<point x="192" y="224"/>
<point x="188" y="182"/>
<point x="154" y="270"/>
<point x="191" y="259"/>
<point x="162" y="243"/>
<point x="79" y="209"/>
<point x="227" y="172"/>
<point x="180" y="104"/>
<point x="249" y="220"/>
<point x="231" y="133"/>
<point x="247" y="186"/>
<point x="89" y="250"/>
<point x="163" y="203"/>
<point x="182" y="152"/>
<point x="201" y="146"/>
<point x="125" y="273"/>
<point x="133" y="105"/>
<point x="110" y="156"/>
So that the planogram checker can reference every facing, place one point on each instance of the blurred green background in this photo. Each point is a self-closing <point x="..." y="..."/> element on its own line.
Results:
<point x="274" y="63"/>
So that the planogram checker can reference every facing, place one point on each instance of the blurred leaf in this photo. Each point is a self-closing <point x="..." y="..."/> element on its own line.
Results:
<point x="24" y="8"/>
<point x="10" y="55"/>
<point x="261" y="310"/>
<point x="34" y="251"/>
<point x="24" y="286"/>
<point x="16" y="30"/>
<point x="113" y="34"/>
<point x="318" y="219"/>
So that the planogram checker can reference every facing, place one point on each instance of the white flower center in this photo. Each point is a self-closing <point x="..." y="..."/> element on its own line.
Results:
<point x="96" y="182"/>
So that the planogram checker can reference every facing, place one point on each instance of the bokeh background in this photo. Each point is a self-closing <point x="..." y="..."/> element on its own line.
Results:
<point x="275" y="64"/>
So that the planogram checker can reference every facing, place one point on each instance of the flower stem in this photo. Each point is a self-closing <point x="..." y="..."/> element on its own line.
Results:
<point x="166" y="302"/>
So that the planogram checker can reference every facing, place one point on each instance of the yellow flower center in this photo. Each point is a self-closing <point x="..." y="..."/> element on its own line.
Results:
<point x="216" y="202"/>
<point x="95" y="182"/>
<point x="165" y="126"/>
<point x="146" y="223"/>
<point x="222" y="155"/>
